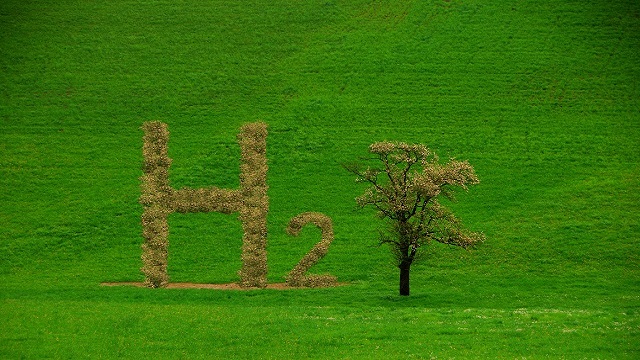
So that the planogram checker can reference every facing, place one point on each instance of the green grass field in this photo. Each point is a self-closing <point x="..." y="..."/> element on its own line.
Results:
<point x="542" y="97"/>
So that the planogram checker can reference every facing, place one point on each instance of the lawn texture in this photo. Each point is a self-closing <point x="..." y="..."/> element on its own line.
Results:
<point x="542" y="98"/>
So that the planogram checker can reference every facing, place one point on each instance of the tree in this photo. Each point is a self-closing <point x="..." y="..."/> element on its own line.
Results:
<point x="404" y="190"/>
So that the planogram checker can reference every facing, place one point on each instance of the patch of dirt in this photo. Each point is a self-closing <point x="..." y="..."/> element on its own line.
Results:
<point x="230" y="286"/>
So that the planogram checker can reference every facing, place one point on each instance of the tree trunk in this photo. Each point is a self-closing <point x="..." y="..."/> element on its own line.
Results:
<point x="405" y="267"/>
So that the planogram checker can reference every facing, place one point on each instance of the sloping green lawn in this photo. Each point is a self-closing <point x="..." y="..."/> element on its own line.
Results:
<point x="542" y="98"/>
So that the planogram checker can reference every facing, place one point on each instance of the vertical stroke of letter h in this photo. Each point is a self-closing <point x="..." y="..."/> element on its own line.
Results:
<point x="159" y="200"/>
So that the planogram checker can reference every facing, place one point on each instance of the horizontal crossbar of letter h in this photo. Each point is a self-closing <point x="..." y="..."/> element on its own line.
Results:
<point x="159" y="200"/>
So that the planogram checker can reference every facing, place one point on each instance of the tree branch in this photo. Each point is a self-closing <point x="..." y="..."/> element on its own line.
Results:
<point x="385" y="160"/>
<point x="386" y="213"/>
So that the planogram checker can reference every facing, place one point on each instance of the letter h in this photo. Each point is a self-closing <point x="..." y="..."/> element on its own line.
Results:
<point x="159" y="200"/>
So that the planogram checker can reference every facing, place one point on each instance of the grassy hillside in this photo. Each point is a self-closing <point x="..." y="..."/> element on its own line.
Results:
<point x="542" y="97"/>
